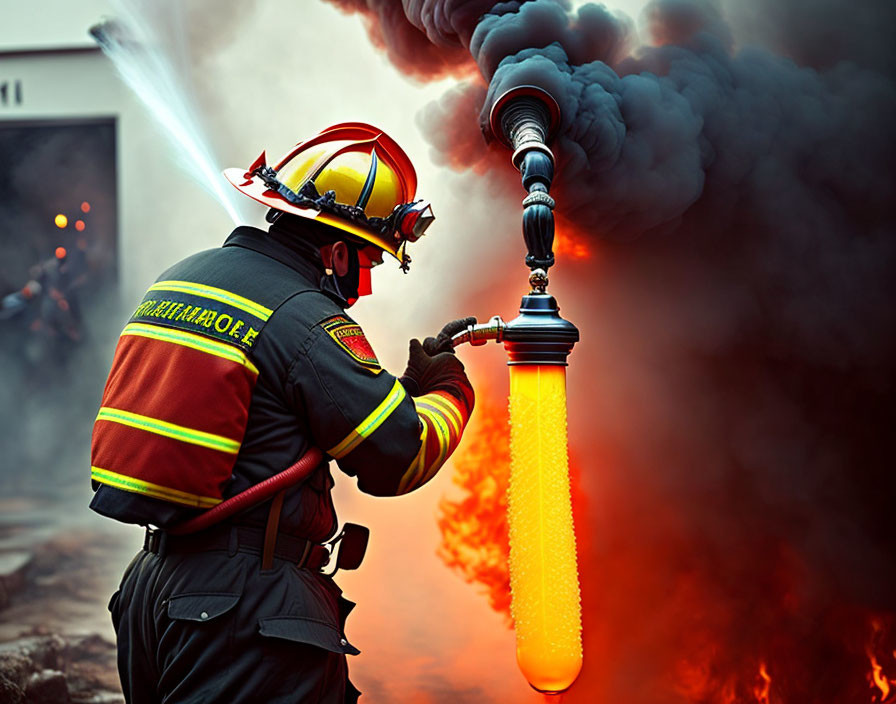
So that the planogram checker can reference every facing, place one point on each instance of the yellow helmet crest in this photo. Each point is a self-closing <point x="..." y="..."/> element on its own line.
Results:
<point x="351" y="176"/>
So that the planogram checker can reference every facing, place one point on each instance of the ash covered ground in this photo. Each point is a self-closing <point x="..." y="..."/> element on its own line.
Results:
<point x="57" y="570"/>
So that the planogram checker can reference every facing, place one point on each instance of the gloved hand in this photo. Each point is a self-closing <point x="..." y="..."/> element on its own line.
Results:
<point x="440" y="372"/>
<point x="442" y="342"/>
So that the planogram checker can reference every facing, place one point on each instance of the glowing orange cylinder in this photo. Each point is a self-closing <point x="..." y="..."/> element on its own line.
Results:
<point x="544" y="578"/>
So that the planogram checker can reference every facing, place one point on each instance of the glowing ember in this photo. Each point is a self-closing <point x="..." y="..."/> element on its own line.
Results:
<point x="61" y="221"/>
<point x="79" y="225"/>
<point x="85" y="207"/>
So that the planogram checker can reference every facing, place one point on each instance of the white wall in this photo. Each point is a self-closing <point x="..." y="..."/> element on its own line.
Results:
<point x="48" y="24"/>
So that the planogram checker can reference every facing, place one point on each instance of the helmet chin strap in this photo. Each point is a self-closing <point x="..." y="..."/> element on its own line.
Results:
<point x="341" y="272"/>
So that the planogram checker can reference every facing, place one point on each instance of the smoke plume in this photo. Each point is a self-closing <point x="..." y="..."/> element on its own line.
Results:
<point x="731" y="400"/>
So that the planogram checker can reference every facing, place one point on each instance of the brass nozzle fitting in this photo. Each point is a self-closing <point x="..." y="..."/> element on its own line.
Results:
<point x="480" y="333"/>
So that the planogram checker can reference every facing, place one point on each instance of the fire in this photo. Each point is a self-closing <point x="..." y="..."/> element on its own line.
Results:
<point x="570" y="246"/>
<point x="569" y="241"/>
<point x="761" y="690"/>
<point x="877" y="678"/>
<point x="702" y="683"/>
<point x="474" y="527"/>
<point x="655" y="632"/>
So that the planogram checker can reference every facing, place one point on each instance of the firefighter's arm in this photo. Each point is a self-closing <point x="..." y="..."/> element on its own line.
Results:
<point x="444" y="401"/>
<point x="364" y="417"/>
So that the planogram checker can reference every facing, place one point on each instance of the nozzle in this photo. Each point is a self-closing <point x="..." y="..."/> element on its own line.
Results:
<point x="481" y="333"/>
<point x="537" y="336"/>
<point x="525" y="116"/>
<point x="525" y="119"/>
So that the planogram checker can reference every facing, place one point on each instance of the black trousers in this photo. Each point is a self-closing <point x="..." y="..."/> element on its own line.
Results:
<point x="215" y="627"/>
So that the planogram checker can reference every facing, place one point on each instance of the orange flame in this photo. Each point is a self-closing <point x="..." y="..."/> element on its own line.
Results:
<point x="763" y="686"/>
<point x="474" y="527"/>
<point x="570" y="241"/>
<point x="877" y="678"/>
<point x="567" y="246"/>
<point x="703" y="683"/>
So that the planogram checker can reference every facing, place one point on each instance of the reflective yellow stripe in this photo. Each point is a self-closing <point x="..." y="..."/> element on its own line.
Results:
<point x="404" y="486"/>
<point x="436" y="410"/>
<point x="215" y="294"/>
<point x="370" y="423"/>
<point x="433" y="407"/>
<point x="453" y="411"/>
<point x="442" y="431"/>
<point x="157" y="491"/>
<point x="188" y="339"/>
<point x="169" y="430"/>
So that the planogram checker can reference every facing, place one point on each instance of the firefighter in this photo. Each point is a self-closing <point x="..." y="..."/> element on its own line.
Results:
<point x="235" y="363"/>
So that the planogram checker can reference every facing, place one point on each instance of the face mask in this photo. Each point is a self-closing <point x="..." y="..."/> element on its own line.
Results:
<point x="367" y="262"/>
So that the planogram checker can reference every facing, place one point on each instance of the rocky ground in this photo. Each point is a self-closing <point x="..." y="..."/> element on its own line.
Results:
<point x="55" y="580"/>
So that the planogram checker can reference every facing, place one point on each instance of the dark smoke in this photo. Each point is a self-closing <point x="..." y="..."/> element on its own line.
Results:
<point x="820" y="33"/>
<point x="732" y="400"/>
<point x="423" y="39"/>
<point x="641" y="134"/>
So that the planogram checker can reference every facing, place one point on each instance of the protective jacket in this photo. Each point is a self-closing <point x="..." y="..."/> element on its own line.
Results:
<point x="234" y="363"/>
<point x="231" y="367"/>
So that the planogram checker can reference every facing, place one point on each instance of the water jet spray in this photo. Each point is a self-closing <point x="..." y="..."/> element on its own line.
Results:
<point x="129" y="42"/>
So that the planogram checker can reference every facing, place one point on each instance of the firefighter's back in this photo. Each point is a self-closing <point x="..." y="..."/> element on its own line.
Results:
<point x="196" y="410"/>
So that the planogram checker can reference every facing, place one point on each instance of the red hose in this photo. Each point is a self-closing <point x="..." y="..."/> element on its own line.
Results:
<point x="253" y="495"/>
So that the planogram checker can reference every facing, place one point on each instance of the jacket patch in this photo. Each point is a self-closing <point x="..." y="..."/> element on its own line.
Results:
<point x="202" y="310"/>
<point x="350" y="337"/>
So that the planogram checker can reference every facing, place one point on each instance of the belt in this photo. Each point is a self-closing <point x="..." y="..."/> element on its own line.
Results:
<point x="234" y="539"/>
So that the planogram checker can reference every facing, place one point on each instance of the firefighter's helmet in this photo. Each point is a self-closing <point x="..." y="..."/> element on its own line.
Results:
<point x="352" y="176"/>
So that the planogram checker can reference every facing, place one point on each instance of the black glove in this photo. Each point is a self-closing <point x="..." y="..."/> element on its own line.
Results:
<point x="442" y="342"/>
<point x="440" y="372"/>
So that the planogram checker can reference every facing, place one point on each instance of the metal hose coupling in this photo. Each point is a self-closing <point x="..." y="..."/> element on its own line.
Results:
<point x="480" y="333"/>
